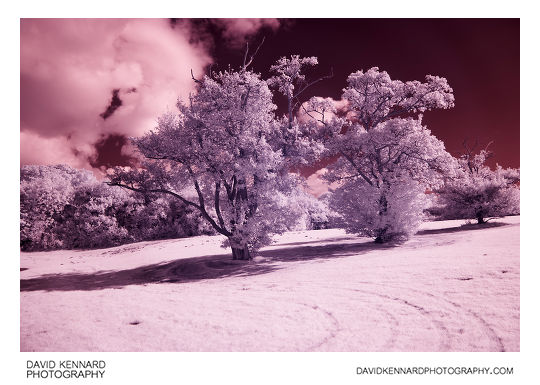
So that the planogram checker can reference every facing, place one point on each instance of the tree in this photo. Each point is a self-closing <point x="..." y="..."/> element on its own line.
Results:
<point x="403" y="200"/>
<point x="312" y="213"/>
<point x="478" y="192"/>
<point x="221" y="156"/>
<point x="383" y="148"/>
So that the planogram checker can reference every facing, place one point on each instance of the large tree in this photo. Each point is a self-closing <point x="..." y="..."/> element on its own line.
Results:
<point x="221" y="154"/>
<point x="382" y="149"/>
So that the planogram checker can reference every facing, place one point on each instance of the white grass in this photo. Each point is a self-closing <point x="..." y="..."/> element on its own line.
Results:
<point x="447" y="289"/>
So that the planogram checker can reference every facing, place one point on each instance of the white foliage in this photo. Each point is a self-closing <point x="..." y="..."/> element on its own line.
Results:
<point x="374" y="97"/>
<point x="392" y="212"/>
<point x="62" y="207"/>
<point x="223" y="143"/>
<point x="310" y="212"/>
<point x="289" y="73"/>
<point x="294" y="135"/>
<point x="478" y="192"/>
<point x="383" y="148"/>
<point x="45" y="191"/>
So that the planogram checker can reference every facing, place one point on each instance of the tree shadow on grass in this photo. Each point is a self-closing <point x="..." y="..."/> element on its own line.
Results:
<point x="325" y="240"/>
<point x="465" y="227"/>
<point x="195" y="269"/>
<point x="326" y="251"/>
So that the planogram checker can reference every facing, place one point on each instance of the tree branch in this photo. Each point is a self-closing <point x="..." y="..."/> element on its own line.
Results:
<point x="202" y="210"/>
<point x="356" y="167"/>
<point x="312" y="117"/>
<point x="295" y="96"/>
<point x="197" y="187"/>
<point x="164" y="191"/>
<point x="246" y="65"/>
<point x="193" y="77"/>
<point x="217" y="207"/>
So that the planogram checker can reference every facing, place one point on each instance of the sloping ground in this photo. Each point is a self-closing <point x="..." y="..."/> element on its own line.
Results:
<point x="449" y="288"/>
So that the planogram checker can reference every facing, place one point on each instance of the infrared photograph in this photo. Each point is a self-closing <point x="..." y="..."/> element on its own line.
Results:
<point x="270" y="185"/>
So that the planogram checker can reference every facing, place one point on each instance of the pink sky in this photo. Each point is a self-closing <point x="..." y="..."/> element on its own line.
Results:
<point x="71" y="67"/>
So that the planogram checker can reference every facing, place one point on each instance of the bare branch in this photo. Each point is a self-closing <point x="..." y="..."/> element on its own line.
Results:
<point x="234" y="188"/>
<point x="305" y="87"/>
<point x="193" y="77"/>
<point x="312" y="117"/>
<point x="228" y="187"/>
<point x="246" y="65"/>
<point x="245" y="55"/>
<point x="163" y="191"/>
<point x="489" y="153"/>
<point x="201" y="209"/>
<point x="464" y="144"/>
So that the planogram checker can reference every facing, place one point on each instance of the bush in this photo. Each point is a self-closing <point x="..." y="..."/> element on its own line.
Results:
<point x="62" y="207"/>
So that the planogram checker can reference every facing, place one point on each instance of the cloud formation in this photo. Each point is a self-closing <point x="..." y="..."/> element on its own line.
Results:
<point x="70" y="69"/>
<point x="237" y="31"/>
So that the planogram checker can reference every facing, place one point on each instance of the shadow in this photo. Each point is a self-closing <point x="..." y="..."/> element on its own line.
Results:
<point x="307" y="253"/>
<point x="466" y="227"/>
<point x="325" y="240"/>
<point x="195" y="269"/>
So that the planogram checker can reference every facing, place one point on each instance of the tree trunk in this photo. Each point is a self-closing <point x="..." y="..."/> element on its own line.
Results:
<point x="379" y="239"/>
<point x="381" y="235"/>
<point x="241" y="253"/>
<point x="480" y="219"/>
<point x="383" y="208"/>
<point x="289" y="107"/>
<point x="383" y="205"/>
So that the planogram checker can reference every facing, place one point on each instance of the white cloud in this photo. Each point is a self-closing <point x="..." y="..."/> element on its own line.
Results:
<point x="69" y="68"/>
<point x="237" y="31"/>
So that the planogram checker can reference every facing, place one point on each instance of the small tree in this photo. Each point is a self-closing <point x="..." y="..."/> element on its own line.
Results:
<point x="401" y="160"/>
<point x="403" y="202"/>
<point x="382" y="147"/>
<point x="478" y="192"/>
<point x="221" y="156"/>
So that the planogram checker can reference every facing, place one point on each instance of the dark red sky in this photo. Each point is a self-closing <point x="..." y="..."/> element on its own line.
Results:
<point x="479" y="57"/>
<point x="88" y="84"/>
